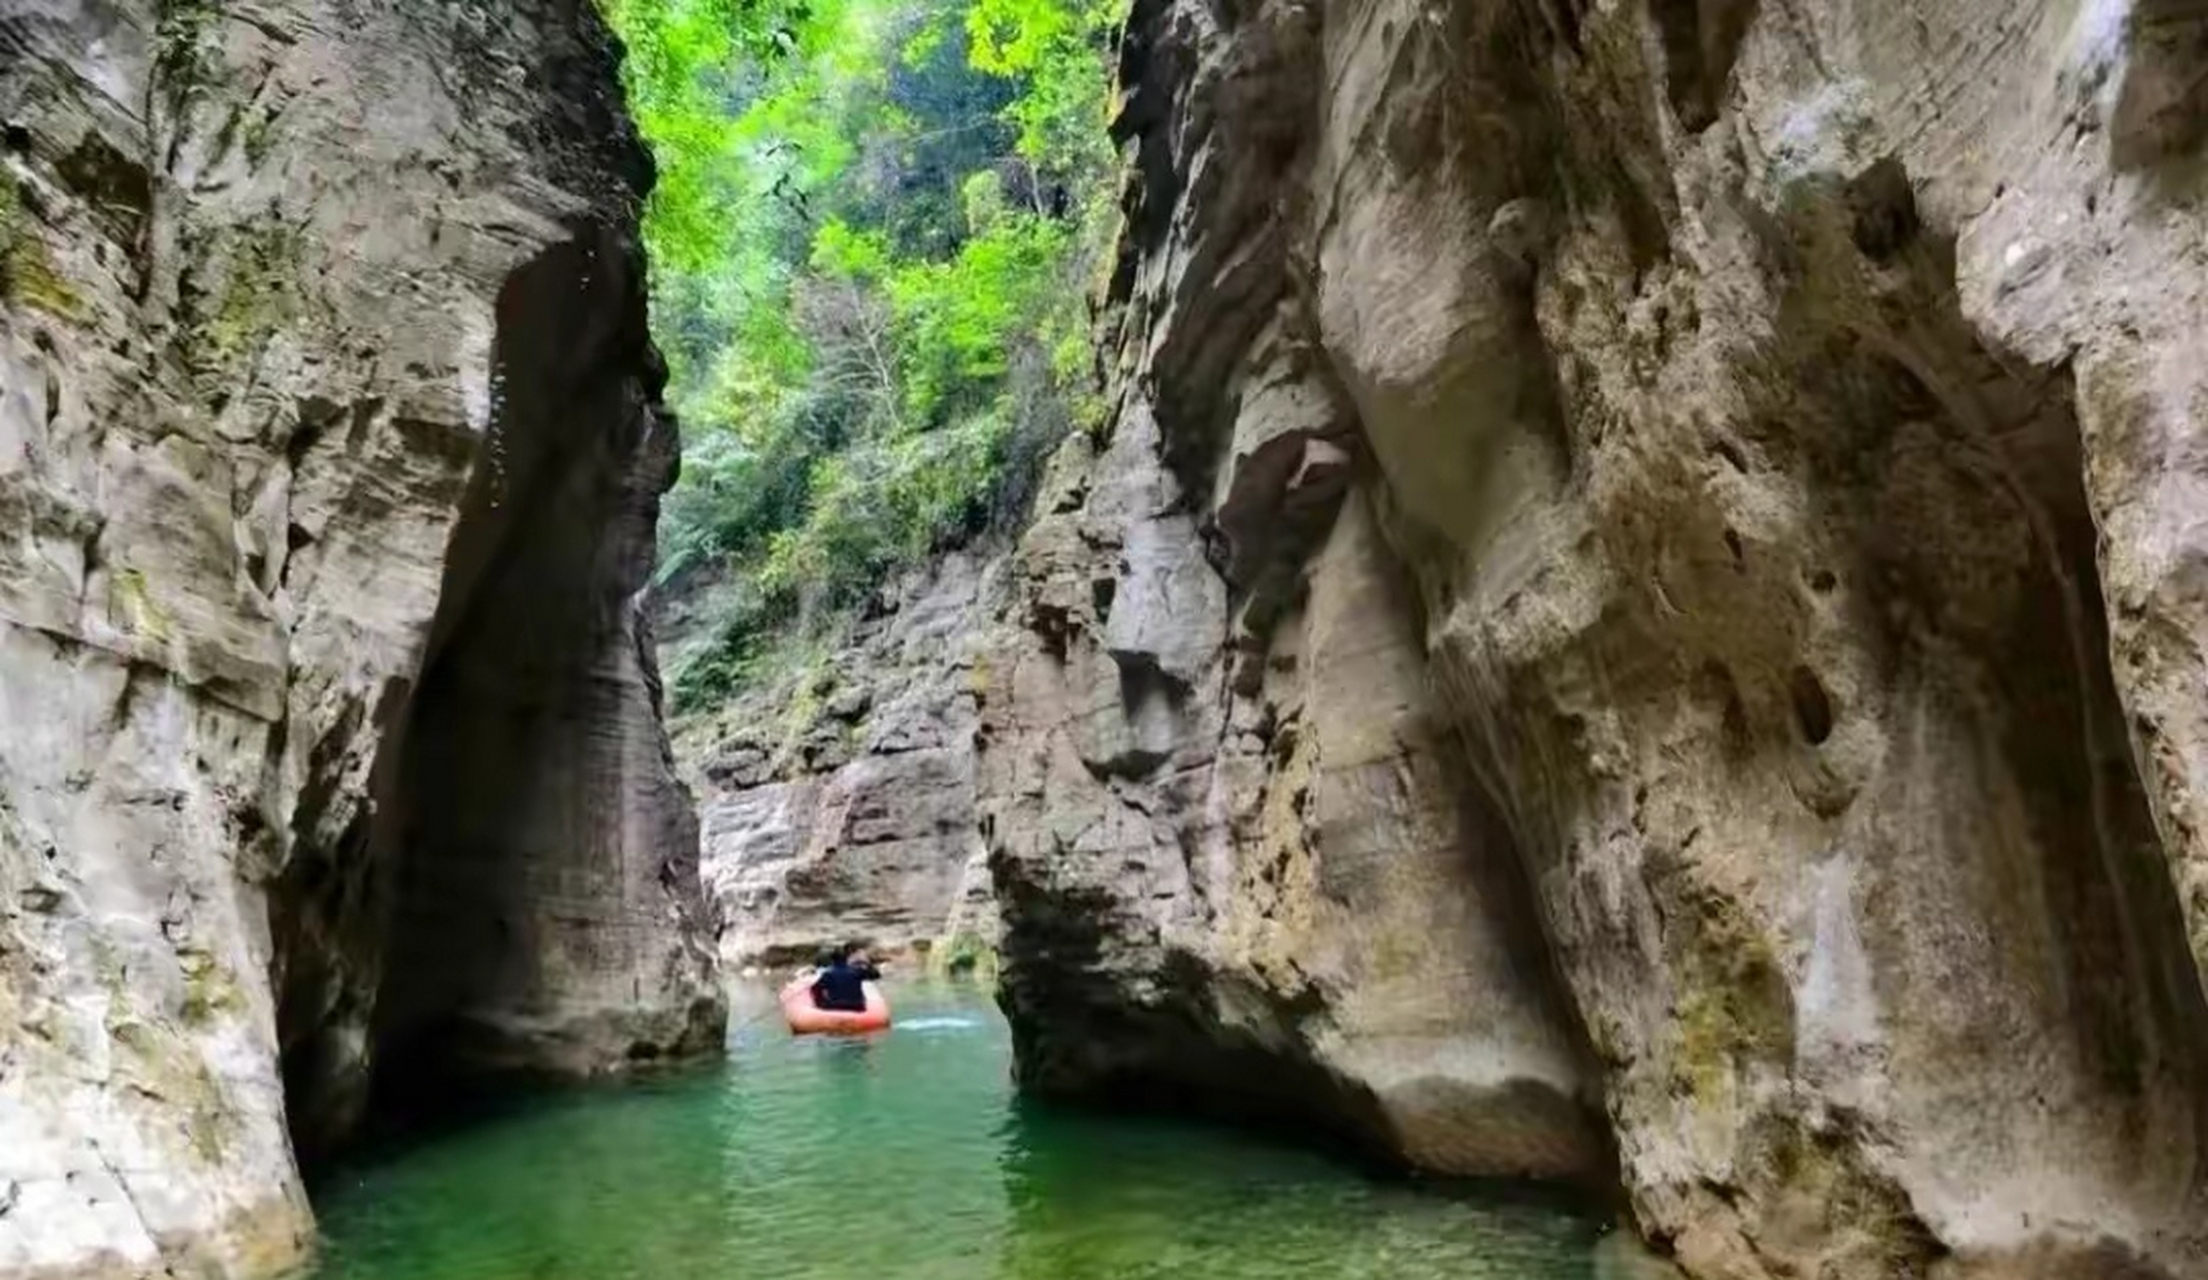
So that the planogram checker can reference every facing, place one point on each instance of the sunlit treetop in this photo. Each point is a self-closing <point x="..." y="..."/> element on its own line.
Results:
<point x="870" y="244"/>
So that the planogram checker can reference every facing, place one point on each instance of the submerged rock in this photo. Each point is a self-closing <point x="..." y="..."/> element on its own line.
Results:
<point x="329" y="455"/>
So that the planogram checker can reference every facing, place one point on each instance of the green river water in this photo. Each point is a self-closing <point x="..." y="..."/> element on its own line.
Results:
<point x="899" y="1155"/>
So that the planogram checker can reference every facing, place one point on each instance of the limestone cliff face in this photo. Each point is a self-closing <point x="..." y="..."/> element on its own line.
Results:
<point x="329" y="456"/>
<point x="1240" y="854"/>
<point x="837" y="800"/>
<point x="1786" y="420"/>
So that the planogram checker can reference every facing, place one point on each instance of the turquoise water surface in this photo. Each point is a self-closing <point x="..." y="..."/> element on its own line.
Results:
<point x="899" y="1155"/>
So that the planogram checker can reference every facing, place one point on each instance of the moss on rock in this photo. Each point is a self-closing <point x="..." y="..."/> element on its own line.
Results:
<point x="261" y="294"/>
<point x="28" y="276"/>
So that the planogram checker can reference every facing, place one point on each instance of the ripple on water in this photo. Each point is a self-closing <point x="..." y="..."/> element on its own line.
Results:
<point x="901" y="1155"/>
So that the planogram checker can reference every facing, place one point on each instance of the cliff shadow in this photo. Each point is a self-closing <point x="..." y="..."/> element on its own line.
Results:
<point x="542" y="854"/>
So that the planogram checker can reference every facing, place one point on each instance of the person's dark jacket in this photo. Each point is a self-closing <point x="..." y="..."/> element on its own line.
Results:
<point x="839" y="986"/>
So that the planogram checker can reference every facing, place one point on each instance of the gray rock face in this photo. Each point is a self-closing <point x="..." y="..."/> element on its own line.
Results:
<point x="1785" y="418"/>
<point x="838" y="800"/>
<point x="548" y="894"/>
<point x="1240" y="860"/>
<point x="326" y="414"/>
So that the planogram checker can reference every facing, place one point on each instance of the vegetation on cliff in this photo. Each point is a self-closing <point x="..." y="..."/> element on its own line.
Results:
<point x="872" y="241"/>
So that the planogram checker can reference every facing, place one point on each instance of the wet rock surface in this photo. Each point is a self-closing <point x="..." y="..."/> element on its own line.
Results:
<point x="287" y="488"/>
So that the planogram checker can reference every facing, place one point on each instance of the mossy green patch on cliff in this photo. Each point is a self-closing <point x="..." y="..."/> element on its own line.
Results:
<point x="1735" y="1006"/>
<point x="814" y="680"/>
<point x="129" y="600"/>
<point x="262" y="291"/>
<point x="1823" y="1188"/>
<point x="209" y="991"/>
<point x="27" y="272"/>
<point x="210" y="1126"/>
<point x="964" y="955"/>
<point x="171" y="1069"/>
<point x="183" y="39"/>
<point x="240" y="286"/>
<point x="161" y="1063"/>
<point x="258" y="135"/>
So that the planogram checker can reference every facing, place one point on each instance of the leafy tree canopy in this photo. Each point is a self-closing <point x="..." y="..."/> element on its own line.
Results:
<point x="875" y="225"/>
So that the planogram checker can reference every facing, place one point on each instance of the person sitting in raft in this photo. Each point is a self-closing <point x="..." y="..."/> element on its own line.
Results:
<point x="842" y="984"/>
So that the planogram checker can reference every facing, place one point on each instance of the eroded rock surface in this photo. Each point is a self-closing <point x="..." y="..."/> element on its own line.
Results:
<point x="326" y="413"/>
<point x="837" y="800"/>
<point x="1241" y="859"/>
<point x="1787" y="417"/>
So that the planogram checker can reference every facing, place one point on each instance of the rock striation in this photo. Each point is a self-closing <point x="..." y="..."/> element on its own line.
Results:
<point x="330" y="452"/>
<point x="837" y="798"/>
<point x="1240" y="854"/>
<point x="1646" y="552"/>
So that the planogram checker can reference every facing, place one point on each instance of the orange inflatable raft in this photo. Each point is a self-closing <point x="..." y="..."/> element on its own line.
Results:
<point x="806" y="1018"/>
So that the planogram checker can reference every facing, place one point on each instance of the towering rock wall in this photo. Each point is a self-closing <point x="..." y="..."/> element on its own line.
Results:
<point x="1786" y="417"/>
<point x="329" y="451"/>
<point x="837" y="799"/>
<point x="1239" y="852"/>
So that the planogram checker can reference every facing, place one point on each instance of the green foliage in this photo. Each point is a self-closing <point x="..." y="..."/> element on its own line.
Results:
<point x="872" y="239"/>
<point x="689" y="62"/>
<point x="965" y="956"/>
<point x="183" y="36"/>
<point x="1056" y="46"/>
<point x="262" y="292"/>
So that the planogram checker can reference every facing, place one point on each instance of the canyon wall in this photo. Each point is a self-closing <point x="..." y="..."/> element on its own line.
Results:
<point x="837" y="795"/>
<point x="1240" y="855"/>
<point x="330" y="452"/>
<point x="1647" y="555"/>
